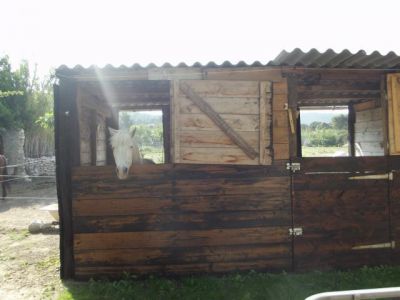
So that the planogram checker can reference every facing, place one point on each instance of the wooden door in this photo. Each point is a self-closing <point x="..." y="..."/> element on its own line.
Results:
<point x="341" y="212"/>
<point x="221" y="122"/>
<point x="394" y="194"/>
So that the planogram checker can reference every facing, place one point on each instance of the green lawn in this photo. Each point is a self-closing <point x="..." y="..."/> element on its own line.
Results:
<point x="243" y="286"/>
<point x="323" y="151"/>
<point x="153" y="153"/>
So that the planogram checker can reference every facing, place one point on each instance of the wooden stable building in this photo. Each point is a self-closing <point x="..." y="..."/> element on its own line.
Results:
<point x="235" y="192"/>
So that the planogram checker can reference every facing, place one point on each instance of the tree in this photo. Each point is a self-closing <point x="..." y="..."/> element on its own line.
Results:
<point x="340" y="122"/>
<point x="26" y="102"/>
<point x="14" y="97"/>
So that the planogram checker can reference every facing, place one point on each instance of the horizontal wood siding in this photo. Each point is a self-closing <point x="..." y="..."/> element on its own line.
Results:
<point x="338" y="214"/>
<point x="179" y="219"/>
<point x="336" y="87"/>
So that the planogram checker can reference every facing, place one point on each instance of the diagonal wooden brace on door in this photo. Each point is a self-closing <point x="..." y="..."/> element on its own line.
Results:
<point x="216" y="118"/>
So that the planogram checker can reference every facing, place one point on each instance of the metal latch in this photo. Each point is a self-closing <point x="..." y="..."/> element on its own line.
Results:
<point x="293" y="167"/>
<point x="297" y="231"/>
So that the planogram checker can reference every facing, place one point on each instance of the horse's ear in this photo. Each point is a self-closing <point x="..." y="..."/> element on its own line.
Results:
<point x="112" y="131"/>
<point x="132" y="132"/>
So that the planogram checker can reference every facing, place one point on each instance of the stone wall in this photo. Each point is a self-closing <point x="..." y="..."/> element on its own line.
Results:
<point x="13" y="140"/>
<point x="43" y="166"/>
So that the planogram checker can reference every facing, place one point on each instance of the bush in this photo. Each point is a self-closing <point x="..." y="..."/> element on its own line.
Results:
<point x="324" y="137"/>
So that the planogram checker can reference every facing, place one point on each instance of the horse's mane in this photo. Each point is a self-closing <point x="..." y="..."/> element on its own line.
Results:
<point x="121" y="137"/>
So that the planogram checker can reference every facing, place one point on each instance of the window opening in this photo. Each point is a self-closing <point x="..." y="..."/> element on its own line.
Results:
<point x="149" y="132"/>
<point x="325" y="131"/>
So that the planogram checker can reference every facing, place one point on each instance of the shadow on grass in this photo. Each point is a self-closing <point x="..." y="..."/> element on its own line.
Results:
<point x="244" y="286"/>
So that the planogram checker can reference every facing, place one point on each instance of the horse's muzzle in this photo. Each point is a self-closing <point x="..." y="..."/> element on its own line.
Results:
<point x="122" y="173"/>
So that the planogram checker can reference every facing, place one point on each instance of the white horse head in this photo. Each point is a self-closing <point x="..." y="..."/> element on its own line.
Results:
<point x="125" y="150"/>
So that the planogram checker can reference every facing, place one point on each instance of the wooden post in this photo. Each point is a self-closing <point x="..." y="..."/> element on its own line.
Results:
<point x="292" y="111"/>
<point x="351" y="129"/>
<point x="67" y="155"/>
<point x="166" y="133"/>
<point x="93" y="137"/>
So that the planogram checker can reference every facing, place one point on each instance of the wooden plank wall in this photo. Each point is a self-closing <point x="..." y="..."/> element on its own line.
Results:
<point x="198" y="140"/>
<point x="369" y="131"/>
<point x="338" y="214"/>
<point x="180" y="219"/>
<point x="394" y="194"/>
<point x="336" y="87"/>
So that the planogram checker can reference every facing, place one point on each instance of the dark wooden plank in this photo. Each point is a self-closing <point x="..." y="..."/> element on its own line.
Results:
<point x="342" y="164"/>
<point x="337" y="181"/>
<point x="179" y="171"/>
<point x="166" y="120"/>
<point x="156" y="256"/>
<point x="182" y="221"/>
<point x="192" y="238"/>
<point x="67" y="154"/>
<point x="93" y="137"/>
<point x="270" y="200"/>
<point x="157" y="188"/>
<point x="317" y="84"/>
<point x="274" y="264"/>
<point x="230" y="186"/>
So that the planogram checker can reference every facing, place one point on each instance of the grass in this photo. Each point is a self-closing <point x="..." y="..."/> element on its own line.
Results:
<point x="48" y="262"/>
<point x="322" y="151"/>
<point x="153" y="153"/>
<point x="18" y="235"/>
<point x="246" y="286"/>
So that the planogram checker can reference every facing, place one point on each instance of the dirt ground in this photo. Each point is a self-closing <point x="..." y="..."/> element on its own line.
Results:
<point x="29" y="263"/>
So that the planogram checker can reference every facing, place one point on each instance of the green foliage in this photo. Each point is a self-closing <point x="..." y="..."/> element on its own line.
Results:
<point x="46" y="121"/>
<point x="24" y="99"/>
<point x="340" y="122"/>
<point x="149" y="133"/>
<point x="324" y="137"/>
<point x="4" y="94"/>
<point x="251" y="285"/>
<point x="321" y="134"/>
<point x="13" y="86"/>
<point x="27" y="102"/>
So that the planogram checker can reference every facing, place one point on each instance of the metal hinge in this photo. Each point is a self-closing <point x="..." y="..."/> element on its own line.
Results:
<point x="293" y="167"/>
<point x="387" y="176"/>
<point x="391" y="245"/>
<point x="297" y="231"/>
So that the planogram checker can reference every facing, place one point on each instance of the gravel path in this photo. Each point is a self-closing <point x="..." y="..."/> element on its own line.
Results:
<point x="29" y="263"/>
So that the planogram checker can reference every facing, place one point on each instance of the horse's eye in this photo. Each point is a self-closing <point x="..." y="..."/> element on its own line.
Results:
<point x="131" y="147"/>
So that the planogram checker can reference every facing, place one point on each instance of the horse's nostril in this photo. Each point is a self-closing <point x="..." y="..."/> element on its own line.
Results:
<point x="125" y="170"/>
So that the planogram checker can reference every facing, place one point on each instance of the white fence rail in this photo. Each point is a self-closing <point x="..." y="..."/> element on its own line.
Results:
<point x="382" y="293"/>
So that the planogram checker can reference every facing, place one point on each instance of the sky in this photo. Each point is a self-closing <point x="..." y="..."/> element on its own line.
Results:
<point x="53" y="33"/>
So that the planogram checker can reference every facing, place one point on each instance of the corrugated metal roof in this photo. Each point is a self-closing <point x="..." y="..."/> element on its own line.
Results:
<point x="295" y="58"/>
<point x="331" y="59"/>
<point x="226" y="64"/>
